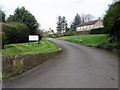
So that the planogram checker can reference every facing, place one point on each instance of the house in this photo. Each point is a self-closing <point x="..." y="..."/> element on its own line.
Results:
<point x="87" y="26"/>
<point x="50" y="31"/>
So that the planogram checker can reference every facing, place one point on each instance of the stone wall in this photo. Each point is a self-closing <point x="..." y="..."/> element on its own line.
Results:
<point x="15" y="64"/>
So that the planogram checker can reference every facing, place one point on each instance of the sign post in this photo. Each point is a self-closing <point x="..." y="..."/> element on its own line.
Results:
<point x="33" y="38"/>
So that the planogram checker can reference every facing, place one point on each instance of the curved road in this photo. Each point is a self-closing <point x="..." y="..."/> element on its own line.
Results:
<point x="77" y="66"/>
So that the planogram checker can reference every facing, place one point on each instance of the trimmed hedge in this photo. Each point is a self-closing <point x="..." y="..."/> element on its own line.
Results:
<point x="98" y="31"/>
<point x="13" y="65"/>
<point x="15" y="32"/>
<point x="68" y="34"/>
<point x="3" y="39"/>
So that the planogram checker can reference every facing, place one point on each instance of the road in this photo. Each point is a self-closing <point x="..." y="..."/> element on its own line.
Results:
<point x="77" y="66"/>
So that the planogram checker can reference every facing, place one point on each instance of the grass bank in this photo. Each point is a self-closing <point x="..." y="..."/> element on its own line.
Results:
<point x="25" y="48"/>
<point x="92" y="40"/>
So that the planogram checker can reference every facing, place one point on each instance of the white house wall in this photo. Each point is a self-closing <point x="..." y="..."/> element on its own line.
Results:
<point x="98" y="24"/>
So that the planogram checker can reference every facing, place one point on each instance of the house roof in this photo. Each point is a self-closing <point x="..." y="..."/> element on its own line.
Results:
<point x="87" y="23"/>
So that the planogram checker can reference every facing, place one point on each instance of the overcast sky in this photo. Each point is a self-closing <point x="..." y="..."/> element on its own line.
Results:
<point x="46" y="11"/>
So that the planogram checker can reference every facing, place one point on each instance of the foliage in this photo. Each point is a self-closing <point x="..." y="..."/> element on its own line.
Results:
<point x="66" y="30"/>
<point x="112" y="22"/>
<point x="3" y="39"/>
<point x="61" y="24"/>
<point x="15" y="32"/>
<point x="98" y="31"/>
<point x="24" y="16"/>
<point x="110" y="46"/>
<point x="33" y="47"/>
<point x="2" y="16"/>
<point x="77" y="21"/>
<point x="68" y="34"/>
<point x="115" y="31"/>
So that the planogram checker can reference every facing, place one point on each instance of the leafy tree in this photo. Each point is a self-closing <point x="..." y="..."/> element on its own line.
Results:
<point x="76" y="21"/>
<point x="52" y="31"/>
<point x="2" y="16"/>
<point x="64" y="24"/>
<point x="61" y="24"/>
<point x="24" y="16"/>
<point x="112" y="21"/>
<point x="66" y="30"/>
<point x="72" y="27"/>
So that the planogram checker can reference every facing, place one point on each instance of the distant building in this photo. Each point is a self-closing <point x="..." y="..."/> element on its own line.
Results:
<point x="50" y="31"/>
<point x="87" y="26"/>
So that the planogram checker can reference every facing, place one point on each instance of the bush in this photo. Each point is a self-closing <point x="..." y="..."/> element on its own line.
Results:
<point x="3" y="39"/>
<point x="112" y="21"/>
<point x="68" y="34"/>
<point x="98" y="31"/>
<point x="115" y="31"/>
<point x="15" y="32"/>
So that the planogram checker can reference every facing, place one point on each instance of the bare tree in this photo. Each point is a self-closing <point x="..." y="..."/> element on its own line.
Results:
<point x="87" y="17"/>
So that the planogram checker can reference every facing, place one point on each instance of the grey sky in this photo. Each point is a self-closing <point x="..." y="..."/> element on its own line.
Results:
<point x="46" y="11"/>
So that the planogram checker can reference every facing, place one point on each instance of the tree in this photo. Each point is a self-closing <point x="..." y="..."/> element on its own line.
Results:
<point x="52" y="31"/>
<point x="86" y="18"/>
<point x="2" y="16"/>
<point x="24" y="16"/>
<point x="72" y="27"/>
<point x="61" y="24"/>
<point x="111" y="21"/>
<point x="76" y="21"/>
<point x="64" y="24"/>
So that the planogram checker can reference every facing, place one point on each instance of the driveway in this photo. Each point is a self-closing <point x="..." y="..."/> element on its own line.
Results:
<point x="77" y="66"/>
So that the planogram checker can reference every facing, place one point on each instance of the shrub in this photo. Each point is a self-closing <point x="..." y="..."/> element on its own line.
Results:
<point x="111" y="21"/>
<point x="115" y="31"/>
<point x="3" y="39"/>
<point x="98" y="31"/>
<point x="68" y="34"/>
<point x="15" y="32"/>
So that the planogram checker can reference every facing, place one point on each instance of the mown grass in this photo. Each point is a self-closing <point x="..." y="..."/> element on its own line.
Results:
<point x="25" y="48"/>
<point x="92" y="40"/>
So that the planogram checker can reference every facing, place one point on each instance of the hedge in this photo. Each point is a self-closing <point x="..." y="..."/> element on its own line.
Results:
<point x="68" y="34"/>
<point x="15" y="32"/>
<point x="98" y="31"/>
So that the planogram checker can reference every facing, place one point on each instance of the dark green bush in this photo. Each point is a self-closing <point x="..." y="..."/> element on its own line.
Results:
<point x="111" y="21"/>
<point x="3" y="39"/>
<point x="115" y="31"/>
<point x="15" y="32"/>
<point x="98" y="31"/>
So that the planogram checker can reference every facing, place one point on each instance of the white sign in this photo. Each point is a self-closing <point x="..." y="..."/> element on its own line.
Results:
<point x="33" y="37"/>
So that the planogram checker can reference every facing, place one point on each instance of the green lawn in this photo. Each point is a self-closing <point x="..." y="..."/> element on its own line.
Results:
<point x="33" y="47"/>
<point x="93" y="40"/>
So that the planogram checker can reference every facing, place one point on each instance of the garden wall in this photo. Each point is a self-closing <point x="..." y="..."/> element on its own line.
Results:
<point x="15" y="64"/>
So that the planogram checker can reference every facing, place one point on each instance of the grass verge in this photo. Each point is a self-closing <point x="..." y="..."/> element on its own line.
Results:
<point x="97" y="40"/>
<point x="90" y="40"/>
<point x="25" y="48"/>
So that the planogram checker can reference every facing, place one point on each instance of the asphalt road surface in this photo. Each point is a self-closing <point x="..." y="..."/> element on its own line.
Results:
<point x="77" y="66"/>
